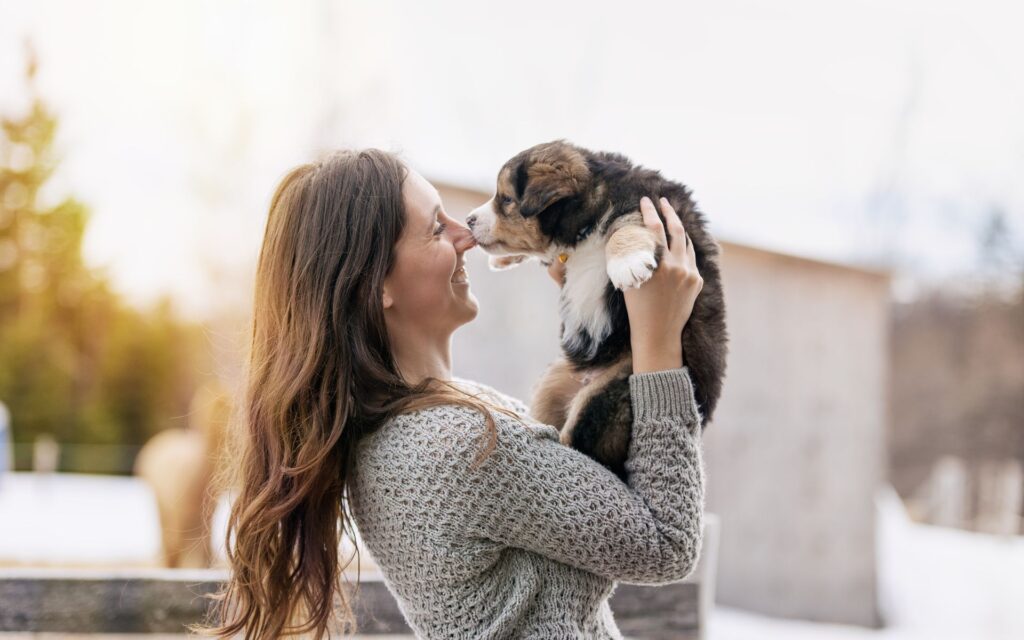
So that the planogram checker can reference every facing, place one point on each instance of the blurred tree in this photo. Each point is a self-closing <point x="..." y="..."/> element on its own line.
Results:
<point x="1000" y="260"/>
<point x="957" y="370"/>
<point x="75" y="361"/>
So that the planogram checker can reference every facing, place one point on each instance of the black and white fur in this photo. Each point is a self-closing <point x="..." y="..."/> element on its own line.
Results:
<point x="557" y="199"/>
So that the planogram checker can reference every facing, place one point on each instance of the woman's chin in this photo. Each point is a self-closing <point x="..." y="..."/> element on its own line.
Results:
<point x="471" y="305"/>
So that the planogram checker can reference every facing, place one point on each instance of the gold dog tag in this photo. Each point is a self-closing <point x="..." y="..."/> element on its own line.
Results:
<point x="562" y="257"/>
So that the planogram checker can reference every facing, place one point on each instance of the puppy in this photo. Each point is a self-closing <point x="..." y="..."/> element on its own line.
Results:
<point x="558" y="201"/>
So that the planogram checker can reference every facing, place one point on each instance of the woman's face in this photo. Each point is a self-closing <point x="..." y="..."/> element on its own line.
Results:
<point x="427" y="291"/>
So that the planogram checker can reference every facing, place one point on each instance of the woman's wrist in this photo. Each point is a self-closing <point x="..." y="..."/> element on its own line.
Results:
<point x="657" y="358"/>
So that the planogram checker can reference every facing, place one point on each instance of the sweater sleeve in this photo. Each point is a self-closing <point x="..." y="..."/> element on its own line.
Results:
<point x="535" y="493"/>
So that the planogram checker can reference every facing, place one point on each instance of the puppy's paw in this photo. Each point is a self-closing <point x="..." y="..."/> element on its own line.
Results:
<point x="500" y="263"/>
<point x="632" y="269"/>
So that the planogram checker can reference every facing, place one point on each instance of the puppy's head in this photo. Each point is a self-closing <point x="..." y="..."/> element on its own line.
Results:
<point x="537" y="203"/>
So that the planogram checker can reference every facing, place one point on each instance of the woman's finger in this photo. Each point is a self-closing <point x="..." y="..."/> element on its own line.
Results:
<point x="691" y="252"/>
<point x="651" y="219"/>
<point x="691" y="258"/>
<point x="675" y="229"/>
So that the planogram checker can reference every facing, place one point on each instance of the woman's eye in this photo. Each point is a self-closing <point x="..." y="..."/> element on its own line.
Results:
<point x="440" y="229"/>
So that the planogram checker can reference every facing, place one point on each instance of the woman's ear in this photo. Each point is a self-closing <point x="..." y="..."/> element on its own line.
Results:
<point x="388" y="301"/>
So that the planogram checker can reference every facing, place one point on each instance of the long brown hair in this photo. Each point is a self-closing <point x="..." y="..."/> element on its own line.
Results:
<point x="320" y="376"/>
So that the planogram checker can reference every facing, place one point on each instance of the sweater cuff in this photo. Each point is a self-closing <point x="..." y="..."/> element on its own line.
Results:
<point x="667" y="393"/>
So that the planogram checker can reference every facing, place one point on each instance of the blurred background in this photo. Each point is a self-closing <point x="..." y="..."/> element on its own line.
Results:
<point x="860" y="163"/>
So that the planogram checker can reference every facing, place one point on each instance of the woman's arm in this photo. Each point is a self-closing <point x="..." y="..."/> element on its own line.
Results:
<point x="535" y="493"/>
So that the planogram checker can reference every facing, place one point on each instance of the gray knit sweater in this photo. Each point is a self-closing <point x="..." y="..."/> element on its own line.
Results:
<point x="532" y="542"/>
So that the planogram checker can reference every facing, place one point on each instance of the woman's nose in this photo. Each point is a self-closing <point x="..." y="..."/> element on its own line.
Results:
<point x="462" y="238"/>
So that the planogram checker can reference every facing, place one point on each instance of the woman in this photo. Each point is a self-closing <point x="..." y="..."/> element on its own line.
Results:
<point x="483" y="524"/>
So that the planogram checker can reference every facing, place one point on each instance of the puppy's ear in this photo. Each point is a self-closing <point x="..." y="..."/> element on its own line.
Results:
<point x="555" y="171"/>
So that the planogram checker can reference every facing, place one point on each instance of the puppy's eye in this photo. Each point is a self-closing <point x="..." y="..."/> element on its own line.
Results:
<point x="506" y="200"/>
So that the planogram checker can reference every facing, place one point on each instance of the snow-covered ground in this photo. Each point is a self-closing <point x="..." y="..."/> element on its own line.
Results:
<point x="77" y="519"/>
<point x="935" y="583"/>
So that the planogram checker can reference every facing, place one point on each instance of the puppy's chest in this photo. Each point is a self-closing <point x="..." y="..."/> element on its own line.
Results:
<point x="584" y="310"/>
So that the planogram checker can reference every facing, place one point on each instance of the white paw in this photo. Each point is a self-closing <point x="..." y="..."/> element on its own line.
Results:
<point x="500" y="263"/>
<point x="632" y="269"/>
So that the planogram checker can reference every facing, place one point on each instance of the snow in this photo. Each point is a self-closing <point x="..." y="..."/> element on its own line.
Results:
<point x="934" y="583"/>
<point x="77" y="519"/>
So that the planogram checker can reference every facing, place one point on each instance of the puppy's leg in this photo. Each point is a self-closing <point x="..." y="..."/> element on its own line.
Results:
<point x="553" y="393"/>
<point x="618" y="369"/>
<point x="604" y="427"/>
<point x="632" y="252"/>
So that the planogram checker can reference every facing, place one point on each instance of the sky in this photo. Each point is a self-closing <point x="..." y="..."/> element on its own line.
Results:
<point x="865" y="133"/>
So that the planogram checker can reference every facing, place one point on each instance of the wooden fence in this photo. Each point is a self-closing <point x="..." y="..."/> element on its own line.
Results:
<point x="152" y="601"/>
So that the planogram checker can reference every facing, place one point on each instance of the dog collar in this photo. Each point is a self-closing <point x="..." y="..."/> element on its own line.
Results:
<point x="580" y="237"/>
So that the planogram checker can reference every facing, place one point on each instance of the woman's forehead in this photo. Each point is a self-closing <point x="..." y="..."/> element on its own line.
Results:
<point x="420" y="196"/>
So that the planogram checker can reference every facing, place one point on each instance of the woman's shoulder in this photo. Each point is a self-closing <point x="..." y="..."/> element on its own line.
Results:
<point x="444" y="441"/>
<point x="490" y="393"/>
<point x="447" y="424"/>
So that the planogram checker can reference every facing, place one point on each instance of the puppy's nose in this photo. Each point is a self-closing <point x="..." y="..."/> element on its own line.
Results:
<point x="471" y="220"/>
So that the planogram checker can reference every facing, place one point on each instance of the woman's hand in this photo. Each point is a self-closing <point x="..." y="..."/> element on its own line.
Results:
<point x="660" y="308"/>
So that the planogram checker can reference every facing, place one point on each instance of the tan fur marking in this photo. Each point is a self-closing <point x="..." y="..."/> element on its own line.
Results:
<point x="553" y="393"/>
<point x="633" y="218"/>
<point x="516" y="232"/>
<point x="505" y="182"/>
<point x="629" y="240"/>
<point x="637" y="235"/>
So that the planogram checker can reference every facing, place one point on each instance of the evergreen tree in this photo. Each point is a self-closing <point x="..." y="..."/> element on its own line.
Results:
<point x="75" y="362"/>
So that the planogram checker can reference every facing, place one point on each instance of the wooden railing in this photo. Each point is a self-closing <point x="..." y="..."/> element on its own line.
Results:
<point x="165" y="600"/>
